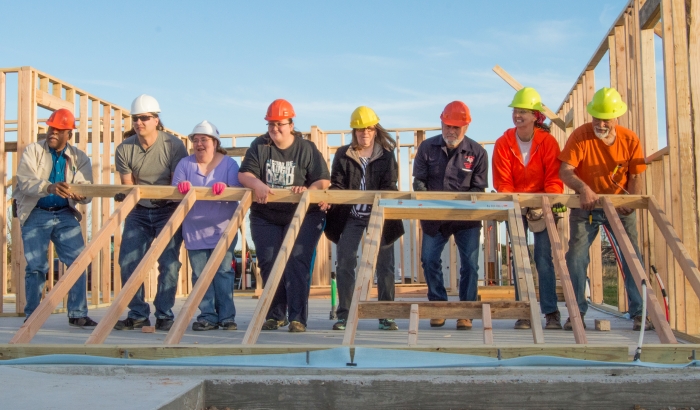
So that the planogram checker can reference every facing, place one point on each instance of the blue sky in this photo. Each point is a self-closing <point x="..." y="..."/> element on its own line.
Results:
<point x="226" y="61"/>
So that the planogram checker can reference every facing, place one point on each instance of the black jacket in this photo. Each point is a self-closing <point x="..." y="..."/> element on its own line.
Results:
<point x="346" y="173"/>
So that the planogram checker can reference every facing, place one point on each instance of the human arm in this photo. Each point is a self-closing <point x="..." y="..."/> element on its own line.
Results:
<point x="502" y="167"/>
<point x="551" y="162"/>
<point x="480" y="176"/>
<point x="587" y="197"/>
<point x="260" y="189"/>
<point x="420" y="169"/>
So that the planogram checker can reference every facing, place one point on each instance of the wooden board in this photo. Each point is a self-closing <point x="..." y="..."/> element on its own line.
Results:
<point x="182" y="319"/>
<point x="445" y="310"/>
<point x="66" y="282"/>
<point x="656" y="313"/>
<point x="488" y="326"/>
<point x="255" y="326"/>
<point x="563" y="272"/>
<point x="413" y="325"/>
<point x="132" y="285"/>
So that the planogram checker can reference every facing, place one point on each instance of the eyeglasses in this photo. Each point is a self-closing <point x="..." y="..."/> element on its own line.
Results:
<point x="201" y="140"/>
<point x="368" y="130"/>
<point x="521" y="112"/>
<point x="277" y="124"/>
<point x="143" y="118"/>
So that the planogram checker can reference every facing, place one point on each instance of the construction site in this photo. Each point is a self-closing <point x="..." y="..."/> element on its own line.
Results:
<point x="602" y="363"/>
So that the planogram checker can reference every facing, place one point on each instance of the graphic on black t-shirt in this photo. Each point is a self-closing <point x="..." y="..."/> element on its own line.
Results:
<point x="279" y="174"/>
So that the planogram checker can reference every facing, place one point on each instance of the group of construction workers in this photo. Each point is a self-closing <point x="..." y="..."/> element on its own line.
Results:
<point x="600" y="157"/>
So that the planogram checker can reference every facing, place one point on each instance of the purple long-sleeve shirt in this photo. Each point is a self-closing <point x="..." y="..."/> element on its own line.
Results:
<point x="204" y="224"/>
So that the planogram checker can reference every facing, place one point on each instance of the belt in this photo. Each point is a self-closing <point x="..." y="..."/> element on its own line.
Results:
<point x="51" y="208"/>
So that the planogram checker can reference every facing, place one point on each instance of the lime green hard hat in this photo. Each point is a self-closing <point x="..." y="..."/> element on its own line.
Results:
<point x="527" y="98"/>
<point x="363" y="117"/>
<point x="606" y="104"/>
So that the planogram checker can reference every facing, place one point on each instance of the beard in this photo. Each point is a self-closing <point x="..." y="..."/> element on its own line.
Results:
<point x="601" y="133"/>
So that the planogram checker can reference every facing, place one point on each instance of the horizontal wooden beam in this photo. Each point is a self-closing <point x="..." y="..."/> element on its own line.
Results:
<point x="657" y="156"/>
<point x="51" y="102"/>
<point x="429" y="214"/>
<point x="447" y="310"/>
<point x="601" y="352"/>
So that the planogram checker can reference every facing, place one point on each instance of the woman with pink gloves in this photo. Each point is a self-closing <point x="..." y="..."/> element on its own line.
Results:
<point x="209" y="166"/>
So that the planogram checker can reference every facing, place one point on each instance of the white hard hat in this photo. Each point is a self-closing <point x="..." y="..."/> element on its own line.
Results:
<point x="144" y="104"/>
<point x="205" y="128"/>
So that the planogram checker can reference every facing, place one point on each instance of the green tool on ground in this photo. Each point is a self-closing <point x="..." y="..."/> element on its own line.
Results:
<point x="334" y="296"/>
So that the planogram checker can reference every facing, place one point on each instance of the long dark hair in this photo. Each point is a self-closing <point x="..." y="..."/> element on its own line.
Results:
<point x="382" y="137"/>
<point x="539" y="121"/>
<point x="159" y="127"/>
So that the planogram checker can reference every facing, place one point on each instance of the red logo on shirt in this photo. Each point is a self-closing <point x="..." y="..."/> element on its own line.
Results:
<point x="469" y="161"/>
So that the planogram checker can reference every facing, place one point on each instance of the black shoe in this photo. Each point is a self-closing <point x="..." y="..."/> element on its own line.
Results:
<point x="229" y="326"/>
<point x="201" y="325"/>
<point x="131" y="324"/>
<point x="81" y="322"/>
<point x="340" y="324"/>
<point x="297" y="327"/>
<point x="388" y="324"/>
<point x="274" y="324"/>
<point x="164" y="324"/>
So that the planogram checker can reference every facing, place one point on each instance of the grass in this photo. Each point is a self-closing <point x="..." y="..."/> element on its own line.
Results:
<point x="610" y="283"/>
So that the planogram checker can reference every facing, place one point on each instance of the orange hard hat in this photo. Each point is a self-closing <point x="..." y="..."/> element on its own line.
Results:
<point x="61" y="119"/>
<point x="456" y="114"/>
<point x="279" y="110"/>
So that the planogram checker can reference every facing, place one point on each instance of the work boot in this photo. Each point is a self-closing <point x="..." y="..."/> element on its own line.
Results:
<point x="131" y="324"/>
<point x="437" y="322"/>
<point x="569" y="326"/>
<point x="464" y="324"/>
<point x="81" y="322"/>
<point x="553" y="320"/>
<point x="203" y="325"/>
<point x="164" y="324"/>
<point x="522" y="324"/>
<point x="296" y="327"/>
<point x="231" y="325"/>
<point x="340" y="324"/>
<point x="638" y="323"/>
<point x="388" y="324"/>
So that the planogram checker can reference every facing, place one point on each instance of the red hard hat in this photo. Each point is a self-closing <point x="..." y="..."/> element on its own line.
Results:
<point x="279" y="110"/>
<point x="61" y="119"/>
<point x="456" y="114"/>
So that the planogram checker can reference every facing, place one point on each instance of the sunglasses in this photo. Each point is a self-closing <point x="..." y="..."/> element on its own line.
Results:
<point x="143" y="118"/>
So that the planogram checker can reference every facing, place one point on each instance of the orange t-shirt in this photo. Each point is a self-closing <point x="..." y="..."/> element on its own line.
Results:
<point x="595" y="163"/>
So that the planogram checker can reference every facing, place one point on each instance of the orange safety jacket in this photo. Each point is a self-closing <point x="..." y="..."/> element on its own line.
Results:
<point x="541" y="175"/>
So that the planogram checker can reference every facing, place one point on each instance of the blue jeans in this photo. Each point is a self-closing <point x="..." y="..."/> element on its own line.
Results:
<point x="141" y="227"/>
<point x="347" y="261"/>
<point x="217" y="304"/>
<point x="582" y="235"/>
<point x="545" y="271"/>
<point x="467" y="241"/>
<point x="61" y="228"/>
<point x="293" y="291"/>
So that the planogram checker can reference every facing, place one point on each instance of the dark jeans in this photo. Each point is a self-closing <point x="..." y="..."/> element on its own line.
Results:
<point x="577" y="258"/>
<point x="547" y="279"/>
<point x="217" y="304"/>
<point x="141" y="227"/>
<point x="347" y="261"/>
<point x="467" y="241"/>
<point x="293" y="291"/>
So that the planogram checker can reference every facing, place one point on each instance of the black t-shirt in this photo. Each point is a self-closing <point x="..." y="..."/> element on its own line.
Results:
<point x="299" y="165"/>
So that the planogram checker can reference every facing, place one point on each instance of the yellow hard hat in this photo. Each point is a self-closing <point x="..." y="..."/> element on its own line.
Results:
<point x="606" y="104"/>
<point x="363" y="117"/>
<point x="527" y="98"/>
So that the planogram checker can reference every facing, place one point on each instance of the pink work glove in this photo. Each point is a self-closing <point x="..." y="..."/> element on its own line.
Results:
<point x="218" y="188"/>
<point x="184" y="187"/>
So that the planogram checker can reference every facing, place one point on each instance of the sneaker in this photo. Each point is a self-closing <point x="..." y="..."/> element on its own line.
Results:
<point x="522" y="324"/>
<point x="553" y="320"/>
<point x="340" y="324"/>
<point x="274" y="324"/>
<point x="569" y="326"/>
<point x="202" y="325"/>
<point x="131" y="324"/>
<point x="437" y="322"/>
<point x="82" y="322"/>
<point x="388" y="324"/>
<point x="164" y="324"/>
<point x="464" y="324"/>
<point x="638" y="323"/>
<point x="297" y="327"/>
<point x="229" y="326"/>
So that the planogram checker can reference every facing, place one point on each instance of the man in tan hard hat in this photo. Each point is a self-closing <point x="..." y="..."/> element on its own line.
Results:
<point x="46" y="210"/>
<point x="149" y="157"/>
<point x="602" y="157"/>
<point x="451" y="161"/>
